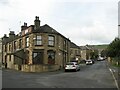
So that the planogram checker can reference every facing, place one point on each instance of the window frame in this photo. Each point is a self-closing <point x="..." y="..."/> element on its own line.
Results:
<point x="51" y="56"/>
<point x="35" y="56"/>
<point x="20" y="43"/>
<point x="15" y="45"/>
<point x="27" y="42"/>
<point x="36" y="40"/>
<point x="51" y="42"/>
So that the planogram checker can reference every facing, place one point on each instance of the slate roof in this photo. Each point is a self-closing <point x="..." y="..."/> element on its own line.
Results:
<point x="47" y="29"/>
<point x="73" y="45"/>
<point x="42" y="29"/>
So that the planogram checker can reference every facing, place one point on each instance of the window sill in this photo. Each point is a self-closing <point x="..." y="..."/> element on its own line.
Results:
<point x="38" y="45"/>
<point x="51" y="46"/>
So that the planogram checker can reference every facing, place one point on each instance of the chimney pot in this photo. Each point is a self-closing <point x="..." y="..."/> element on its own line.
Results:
<point x="36" y="22"/>
<point x="23" y="27"/>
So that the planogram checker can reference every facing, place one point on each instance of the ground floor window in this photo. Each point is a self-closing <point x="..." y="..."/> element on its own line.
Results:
<point x="37" y="57"/>
<point x="51" y="57"/>
<point x="27" y="57"/>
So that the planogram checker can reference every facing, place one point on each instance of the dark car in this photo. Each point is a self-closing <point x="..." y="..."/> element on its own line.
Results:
<point x="93" y="61"/>
<point x="83" y="61"/>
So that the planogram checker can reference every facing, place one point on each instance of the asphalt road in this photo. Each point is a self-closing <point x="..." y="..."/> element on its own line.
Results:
<point x="90" y="76"/>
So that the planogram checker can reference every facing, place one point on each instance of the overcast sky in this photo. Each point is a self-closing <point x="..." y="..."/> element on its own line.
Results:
<point x="82" y="21"/>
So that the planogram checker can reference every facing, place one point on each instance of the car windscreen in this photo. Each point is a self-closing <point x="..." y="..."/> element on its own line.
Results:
<point x="88" y="61"/>
<point x="70" y="64"/>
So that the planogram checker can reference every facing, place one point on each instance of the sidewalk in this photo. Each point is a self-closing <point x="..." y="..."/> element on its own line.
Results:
<point x="115" y="73"/>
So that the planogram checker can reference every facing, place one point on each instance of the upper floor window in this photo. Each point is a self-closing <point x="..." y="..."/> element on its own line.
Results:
<point x="5" y="48"/>
<point x="71" y="52"/>
<point x="20" y="43"/>
<point x="15" y="45"/>
<point x="9" y="47"/>
<point x="27" y="41"/>
<point x="38" y="40"/>
<point x="65" y="45"/>
<point x="51" y="40"/>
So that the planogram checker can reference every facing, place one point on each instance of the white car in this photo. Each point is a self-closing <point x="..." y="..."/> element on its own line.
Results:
<point x="72" y="66"/>
<point x="89" y="62"/>
<point x="100" y="59"/>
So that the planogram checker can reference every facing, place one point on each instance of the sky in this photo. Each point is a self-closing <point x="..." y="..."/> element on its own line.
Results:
<point x="119" y="19"/>
<point x="84" y="22"/>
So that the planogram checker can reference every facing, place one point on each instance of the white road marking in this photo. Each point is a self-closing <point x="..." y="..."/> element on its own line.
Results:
<point x="114" y="79"/>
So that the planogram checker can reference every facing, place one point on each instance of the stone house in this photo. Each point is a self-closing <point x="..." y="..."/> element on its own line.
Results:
<point x="35" y="49"/>
<point x="74" y="52"/>
<point x="86" y="51"/>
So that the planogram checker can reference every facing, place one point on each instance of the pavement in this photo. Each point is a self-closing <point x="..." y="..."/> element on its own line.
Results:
<point x="115" y="71"/>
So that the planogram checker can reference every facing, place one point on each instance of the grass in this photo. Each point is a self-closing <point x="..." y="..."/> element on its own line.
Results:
<point x="115" y="61"/>
<point x="104" y="46"/>
<point x="115" y="65"/>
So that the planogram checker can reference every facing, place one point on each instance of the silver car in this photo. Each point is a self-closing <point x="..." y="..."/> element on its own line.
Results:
<point x="89" y="62"/>
<point x="72" y="66"/>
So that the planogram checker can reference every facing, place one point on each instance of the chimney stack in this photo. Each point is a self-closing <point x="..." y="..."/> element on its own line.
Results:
<point x="11" y="35"/>
<point x="23" y="27"/>
<point x="5" y="39"/>
<point x="36" y="23"/>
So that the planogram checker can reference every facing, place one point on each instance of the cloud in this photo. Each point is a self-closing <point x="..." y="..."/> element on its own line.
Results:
<point x="83" y="21"/>
<point x="91" y="23"/>
<point x="16" y="12"/>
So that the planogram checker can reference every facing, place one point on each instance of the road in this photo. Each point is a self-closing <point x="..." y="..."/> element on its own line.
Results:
<point x="90" y="76"/>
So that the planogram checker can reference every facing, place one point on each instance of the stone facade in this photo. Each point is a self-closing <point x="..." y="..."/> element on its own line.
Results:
<point x="86" y="51"/>
<point x="74" y="52"/>
<point x="35" y="47"/>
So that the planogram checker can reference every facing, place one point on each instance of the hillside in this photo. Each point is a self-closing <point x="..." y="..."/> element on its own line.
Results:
<point x="104" y="46"/>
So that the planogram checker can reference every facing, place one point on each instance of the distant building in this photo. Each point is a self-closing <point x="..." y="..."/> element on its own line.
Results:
<point x="86" y="51"/>
<point x="74" y="52"/>
<point x="35" y="49"/>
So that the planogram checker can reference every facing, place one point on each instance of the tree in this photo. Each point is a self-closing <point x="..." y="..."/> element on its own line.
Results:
<point x="94" y="54"/>
<point x="113" y="49"/>
<point x="104" y="53"/>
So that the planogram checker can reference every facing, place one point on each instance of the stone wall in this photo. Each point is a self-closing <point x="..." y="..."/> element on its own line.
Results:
<point x="39" y="68"/>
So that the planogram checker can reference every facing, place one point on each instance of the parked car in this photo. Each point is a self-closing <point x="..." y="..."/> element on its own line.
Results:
<point x="100" y="59"/>
<point x="72" y="66"/>
<point x="93" y="61"/>
<point x="83" y="61"/>
<point x="89" y="62"/>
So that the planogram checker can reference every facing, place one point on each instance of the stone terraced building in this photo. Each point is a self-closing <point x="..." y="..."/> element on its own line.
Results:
<point x="35" y="49"/>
